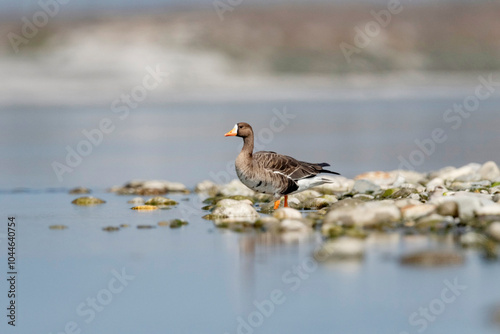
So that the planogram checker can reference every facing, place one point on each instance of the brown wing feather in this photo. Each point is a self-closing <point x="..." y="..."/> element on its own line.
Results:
<point x="286" y="165"/>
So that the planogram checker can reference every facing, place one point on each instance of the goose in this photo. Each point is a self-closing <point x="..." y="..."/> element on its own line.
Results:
<point x="272" y="173"/>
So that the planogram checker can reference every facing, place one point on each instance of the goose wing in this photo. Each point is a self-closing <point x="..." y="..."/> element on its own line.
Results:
<point x="288" y="166"/>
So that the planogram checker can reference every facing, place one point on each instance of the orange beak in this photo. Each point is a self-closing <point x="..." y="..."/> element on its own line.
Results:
<point x="233" y="132"/>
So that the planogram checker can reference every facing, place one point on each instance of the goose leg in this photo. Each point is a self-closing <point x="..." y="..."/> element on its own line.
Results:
<point x="286" y="201"/>
<point x="277" y="204"/>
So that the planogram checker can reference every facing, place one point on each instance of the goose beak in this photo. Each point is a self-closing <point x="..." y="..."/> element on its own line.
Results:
<point x="233" y="132"/>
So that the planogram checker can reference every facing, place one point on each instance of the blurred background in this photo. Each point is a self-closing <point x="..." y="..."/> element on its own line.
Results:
<point x="365" y="80"/>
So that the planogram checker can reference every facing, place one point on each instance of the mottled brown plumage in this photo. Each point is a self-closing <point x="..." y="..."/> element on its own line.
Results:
<point x="272" y="173"/>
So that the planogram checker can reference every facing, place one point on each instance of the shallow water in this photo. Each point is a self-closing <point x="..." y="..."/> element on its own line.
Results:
<point x="199" y="279"/>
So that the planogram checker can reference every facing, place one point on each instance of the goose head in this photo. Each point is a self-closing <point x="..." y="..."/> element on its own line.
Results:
<point x="241" y="129"/>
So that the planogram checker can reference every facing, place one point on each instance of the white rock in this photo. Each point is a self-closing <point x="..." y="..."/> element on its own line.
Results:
<point x="343" y="248"/>
<point x="435" y="182"/>
<point x="340" y="185"/>
<point x="494" y="190"/>
<point x="365" y="186"/>
<point x="489" y="210"/>
<point x="207" y="187"/>
<point x="467" y="203"/>
<point x="365" y="214"/>
<point x="435" y="218"/>
<point x="489" y="171"/>
<point x="413" y="212"/>
<point x="229" y="208"/>
<point x="287" y="213"/>
<point x="494" y="230"/>
<point x="465" y="173"/>
<point x="236" y="187"/>
<point x="401" y="203"/>
<point x="175" y="186"/>
<point x="496" y="198"/>
<point x="304" y="195"/>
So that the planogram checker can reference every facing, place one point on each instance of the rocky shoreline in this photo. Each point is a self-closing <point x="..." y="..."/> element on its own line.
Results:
<point x="462" y="202"/>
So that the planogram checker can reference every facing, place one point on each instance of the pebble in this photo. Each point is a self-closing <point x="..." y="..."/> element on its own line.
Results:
<point x="448" y="208"/>
<point x="236" y="187"/>
<point x="341" y="185"/>
<point x="365" y="187"/>
<point x="145" y="207"/>
<point x="489" y="171"/>
<point x="88" y="201"/>
<point x="467" y="205"/>
<point x="363" y="197"/>
<point x="412" y="212"/>
<point x="430" y="258"/>
<point x="369" y="214"/>
<point x="58" y="227"/>
<point x="488" y="210"/>
<point x="434" y="183"/>
<point x="320" y="202"/>
<point x="401" y="203"/>
<point x="207" y="187"/>
<point x="110" y="228"/>
<point x="466" y="173"/>
<point x="145" y="226"/>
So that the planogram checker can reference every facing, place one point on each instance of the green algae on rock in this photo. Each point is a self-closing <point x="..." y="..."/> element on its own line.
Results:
<point x="88" y="201"/>
<point x="176" y="223"/>
<point x="159" y="200"/>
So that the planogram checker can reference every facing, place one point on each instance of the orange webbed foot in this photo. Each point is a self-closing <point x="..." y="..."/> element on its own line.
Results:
<point x="277" y="204"/>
